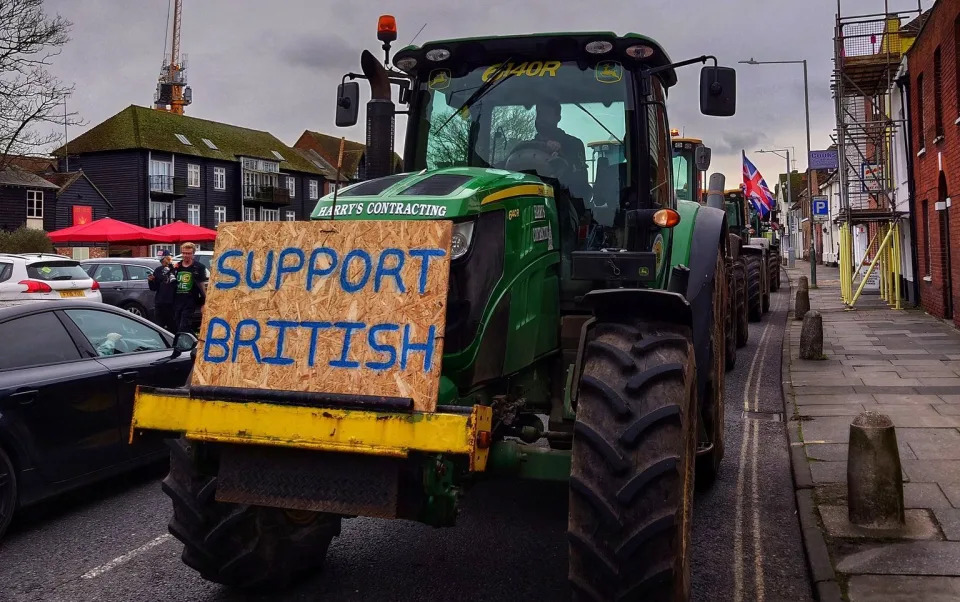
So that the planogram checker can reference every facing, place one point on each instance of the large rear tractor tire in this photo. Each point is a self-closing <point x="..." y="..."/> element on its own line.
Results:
<point x="632" y="473"/>
<point x="710" y="447"/>
<point x="730" y="309"/>
<point x="743" y="317"/>
<point x="774" y="270"/>
<point x="248" y="547"/>
<point x="754" y="289"/>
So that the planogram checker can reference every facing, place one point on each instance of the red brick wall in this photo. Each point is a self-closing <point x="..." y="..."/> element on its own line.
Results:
<point x="943" y="154"/>
<point x="95" y="252"/>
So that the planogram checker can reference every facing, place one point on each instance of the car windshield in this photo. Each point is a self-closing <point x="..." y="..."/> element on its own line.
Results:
<point x="502" y="115"/>
<point x="56" y="270"/>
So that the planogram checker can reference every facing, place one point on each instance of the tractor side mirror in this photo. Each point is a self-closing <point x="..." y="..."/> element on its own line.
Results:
<point x="701" y="157"/>
<point x="348" y="104"/>
<point x="718" y="91"/>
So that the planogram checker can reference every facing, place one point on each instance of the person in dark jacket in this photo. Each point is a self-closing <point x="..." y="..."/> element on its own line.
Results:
<point x="163" y="281"/>
<point x="189" y="294"/>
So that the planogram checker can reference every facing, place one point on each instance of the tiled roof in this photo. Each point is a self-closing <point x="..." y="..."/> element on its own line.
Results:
<point x="14" y="176"/>
<point x="320" y="163"/>
<point x="143" y="128"/>
<point x="32" y="164"/>
<point x="329" y="148"/>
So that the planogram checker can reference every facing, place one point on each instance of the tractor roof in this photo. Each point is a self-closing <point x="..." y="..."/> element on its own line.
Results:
<point x="555" y="46"/>
<point x="691" y="140"/>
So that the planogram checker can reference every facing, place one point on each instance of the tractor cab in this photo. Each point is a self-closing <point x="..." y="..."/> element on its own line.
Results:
<point x="691" y="160"/>
<point x="492" y="118"/>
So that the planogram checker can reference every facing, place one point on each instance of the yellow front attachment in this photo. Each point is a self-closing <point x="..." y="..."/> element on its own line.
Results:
<point x="337" y="430"/>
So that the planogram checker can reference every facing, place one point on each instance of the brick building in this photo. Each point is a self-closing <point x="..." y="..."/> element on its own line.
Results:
<point x="934" y="72"/>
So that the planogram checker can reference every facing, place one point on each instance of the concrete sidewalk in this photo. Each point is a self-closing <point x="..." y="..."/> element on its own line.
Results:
<point x="905" y="364"/>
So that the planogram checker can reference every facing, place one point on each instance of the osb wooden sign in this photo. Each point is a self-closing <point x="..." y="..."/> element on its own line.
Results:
<point x="350" y="307"/>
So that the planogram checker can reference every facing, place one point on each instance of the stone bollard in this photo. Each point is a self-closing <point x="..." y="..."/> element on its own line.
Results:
<point x="804" y="283"/>
<point x="811" y="336"/>
<point x="802" y="304"/>
<point x="874" y="478"/>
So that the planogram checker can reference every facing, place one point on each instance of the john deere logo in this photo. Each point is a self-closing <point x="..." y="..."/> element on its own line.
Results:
<point x="609" y="72"/>
<point x="439" y="79"/>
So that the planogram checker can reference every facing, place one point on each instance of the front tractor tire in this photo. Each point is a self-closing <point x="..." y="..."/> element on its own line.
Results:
<point x="632" y="472"/>
<point x="754" y="289"/>
<point x="241" y="546"/>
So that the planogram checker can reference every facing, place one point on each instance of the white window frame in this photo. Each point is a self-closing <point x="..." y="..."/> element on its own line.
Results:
<point x="219" y="214"/>
<point x="193" y="214"/>
<point x="193" y="175"/>
<point x="278" y="155"/>
<point x="34" y="204"/>
<point x="210" y="144"/>
<point x="269" y="215"/>
<point x="183" y="139"/>
<point x="249" y="214"/>
<point x="219" y="178"/>
<point x="292" y="186"/>
<point x="155" y="249"/>
<point x="314" y="190"/>
<point x="290" y="216"/>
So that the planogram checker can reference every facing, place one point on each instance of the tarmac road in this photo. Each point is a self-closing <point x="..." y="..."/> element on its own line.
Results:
<point x="110" y="542"/>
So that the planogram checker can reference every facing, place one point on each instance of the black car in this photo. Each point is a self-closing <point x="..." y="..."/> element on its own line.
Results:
<point x="68" y="371"/>
<point x="123" y="282"/>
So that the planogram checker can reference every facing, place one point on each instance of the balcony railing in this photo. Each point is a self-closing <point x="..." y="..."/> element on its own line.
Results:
<point x="167" y="185"/>
<point x="273" y="195"/>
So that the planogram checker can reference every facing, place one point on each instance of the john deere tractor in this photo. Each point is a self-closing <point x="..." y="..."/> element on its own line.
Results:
<point x="691" y="160"/>
<point x="764" y="234"/>
<point x="584" y="337"/>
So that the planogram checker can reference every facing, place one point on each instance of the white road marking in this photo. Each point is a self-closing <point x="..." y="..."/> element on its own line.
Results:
<point x="738" y="520"/>
<point x="100" y="570"/>
<point x="757" y="540"/>
<point x="750" y="437"/>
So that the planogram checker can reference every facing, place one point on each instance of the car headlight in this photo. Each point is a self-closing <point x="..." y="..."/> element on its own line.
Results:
<point x="462" y="237"/>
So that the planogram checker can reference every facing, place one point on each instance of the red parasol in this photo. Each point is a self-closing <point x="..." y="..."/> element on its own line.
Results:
<point x="108" y="230"/>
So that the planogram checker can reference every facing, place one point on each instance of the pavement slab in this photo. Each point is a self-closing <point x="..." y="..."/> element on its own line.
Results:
<point x="913" y="558"/>
<point x="906" y="365"/>
<point x="897" y="588"/>
<point x="918" y="525"/>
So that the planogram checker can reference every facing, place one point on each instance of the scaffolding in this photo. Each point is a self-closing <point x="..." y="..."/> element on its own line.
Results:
<point x="868" y="53"/>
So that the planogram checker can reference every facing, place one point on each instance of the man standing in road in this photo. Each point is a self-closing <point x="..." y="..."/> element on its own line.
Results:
<point x="164" y="283"/>
<point x="189" y="295"/>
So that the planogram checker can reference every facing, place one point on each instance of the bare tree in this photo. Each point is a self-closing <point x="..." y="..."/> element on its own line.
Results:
<point x="31" y="98"/>
<point x="450" y="138"/>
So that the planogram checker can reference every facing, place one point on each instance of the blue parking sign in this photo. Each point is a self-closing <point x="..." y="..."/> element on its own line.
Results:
<point x="821" y="208"/>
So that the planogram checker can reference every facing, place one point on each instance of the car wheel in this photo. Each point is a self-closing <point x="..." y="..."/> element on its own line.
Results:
<point x="8" y="491"/>
<point x="135" y="308"/>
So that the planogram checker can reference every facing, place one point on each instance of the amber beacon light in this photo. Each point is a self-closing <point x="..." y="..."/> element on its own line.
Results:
<point x="387" y="28"/>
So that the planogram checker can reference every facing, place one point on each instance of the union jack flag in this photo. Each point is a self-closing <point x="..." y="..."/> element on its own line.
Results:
<point x="755" y="188"/>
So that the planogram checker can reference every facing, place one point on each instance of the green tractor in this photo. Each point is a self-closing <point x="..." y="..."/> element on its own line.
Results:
<point x="755" y="251"/>
<point x="766" y="235"/>
<point x="585" y="325"/>
<point x="691" y="160"/>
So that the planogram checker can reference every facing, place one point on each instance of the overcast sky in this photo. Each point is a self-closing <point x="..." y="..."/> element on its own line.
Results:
<point x="275" y="65"/>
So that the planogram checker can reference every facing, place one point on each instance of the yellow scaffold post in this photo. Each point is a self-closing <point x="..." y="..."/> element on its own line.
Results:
<point x="896" y="250"/>
<point x="876" y="258"/>
<point x="845" y="278"/>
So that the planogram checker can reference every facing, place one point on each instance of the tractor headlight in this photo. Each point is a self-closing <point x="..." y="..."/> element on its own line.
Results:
<point x="462" y="236"/>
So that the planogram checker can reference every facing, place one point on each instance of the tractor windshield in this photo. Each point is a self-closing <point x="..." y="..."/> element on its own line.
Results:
<point x="560" y="120"/>
<point x="682" y="180"/>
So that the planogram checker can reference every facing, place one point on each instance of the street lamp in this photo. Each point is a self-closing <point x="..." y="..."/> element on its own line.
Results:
<point x="806" y="103"/>
<point x="777" y="151"/>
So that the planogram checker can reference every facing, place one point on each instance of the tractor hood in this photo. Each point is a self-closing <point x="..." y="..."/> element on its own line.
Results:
<point x="446" y="193"/>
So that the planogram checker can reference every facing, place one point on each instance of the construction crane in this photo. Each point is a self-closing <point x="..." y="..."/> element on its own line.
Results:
<point x="173" y="93"/>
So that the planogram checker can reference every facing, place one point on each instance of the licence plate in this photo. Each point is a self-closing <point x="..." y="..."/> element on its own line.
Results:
<point x="71" y="294"/>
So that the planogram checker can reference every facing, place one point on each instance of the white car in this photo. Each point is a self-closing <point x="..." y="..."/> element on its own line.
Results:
<point x="45" y="276"/>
